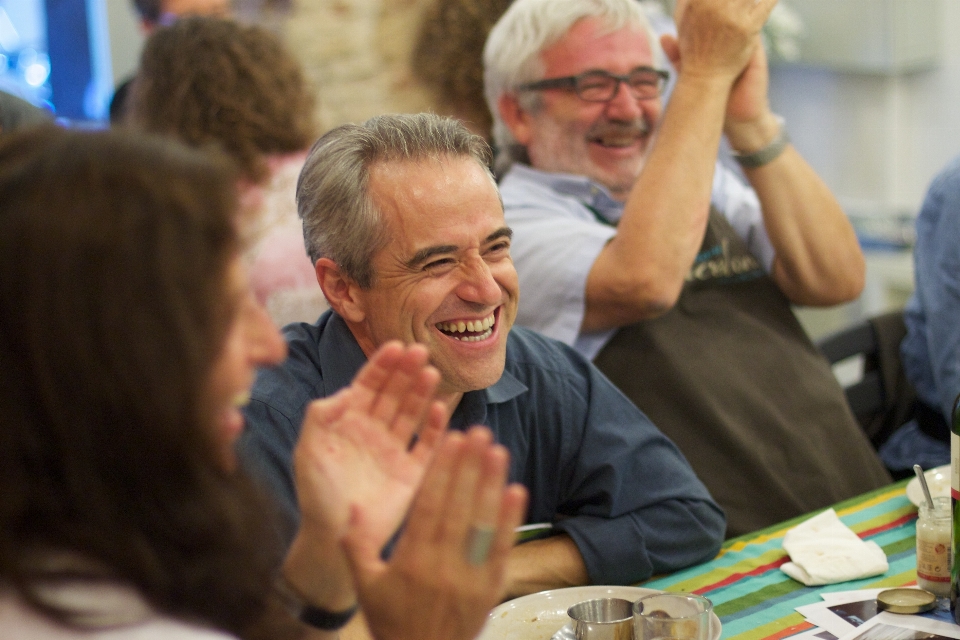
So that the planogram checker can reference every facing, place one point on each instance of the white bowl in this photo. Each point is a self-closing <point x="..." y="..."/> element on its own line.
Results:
<point x="938" y="480"/>
<point x="539" y="616"/>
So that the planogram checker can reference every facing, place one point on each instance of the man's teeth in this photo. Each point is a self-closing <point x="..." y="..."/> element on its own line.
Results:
<point x="472" y="326"/>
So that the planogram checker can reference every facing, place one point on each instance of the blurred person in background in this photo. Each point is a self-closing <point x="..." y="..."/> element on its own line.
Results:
<point x="448" y="58"/>
<point x="216" y="83"/>
<point x="157" y="13"/>
<point x="930" y="352"/>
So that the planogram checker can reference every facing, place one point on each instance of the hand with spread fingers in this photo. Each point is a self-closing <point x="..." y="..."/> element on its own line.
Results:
<point x="449" y="567"/>
<point x="355" y="452"/>
<point x="355" y="445"/>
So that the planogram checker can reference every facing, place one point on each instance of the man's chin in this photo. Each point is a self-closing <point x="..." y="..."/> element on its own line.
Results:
<point x="616" y="173"/>
<point x="471" y="376"/>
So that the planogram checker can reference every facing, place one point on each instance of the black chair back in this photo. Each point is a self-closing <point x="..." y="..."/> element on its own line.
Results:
<point x="882" y="399"/>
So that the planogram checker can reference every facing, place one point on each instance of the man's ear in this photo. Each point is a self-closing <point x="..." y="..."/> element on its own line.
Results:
<point x="340" y="290"/>
<point x="515" y="117"/>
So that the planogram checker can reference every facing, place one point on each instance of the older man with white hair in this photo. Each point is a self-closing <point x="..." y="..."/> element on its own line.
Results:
<point x="676" y="278"/>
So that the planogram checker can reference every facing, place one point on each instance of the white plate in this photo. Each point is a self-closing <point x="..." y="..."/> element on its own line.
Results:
<point x="938" y="480"/>
<point x="540" y="615"/>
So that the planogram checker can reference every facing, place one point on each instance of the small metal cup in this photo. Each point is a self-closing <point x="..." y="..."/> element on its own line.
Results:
<point x="672" y="616"/>
<point x="602" y="619"/>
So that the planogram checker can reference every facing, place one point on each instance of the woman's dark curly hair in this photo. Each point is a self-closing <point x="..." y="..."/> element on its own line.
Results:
<point x="215" y="82"/>
<point x="114" y="254"/>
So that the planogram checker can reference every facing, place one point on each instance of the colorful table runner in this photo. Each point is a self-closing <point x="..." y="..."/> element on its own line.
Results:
<point x="755" y="600"/>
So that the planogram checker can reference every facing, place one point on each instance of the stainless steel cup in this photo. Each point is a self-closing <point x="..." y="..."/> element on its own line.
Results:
<point x="672" y="616"/>
<point x="602" y="619"/>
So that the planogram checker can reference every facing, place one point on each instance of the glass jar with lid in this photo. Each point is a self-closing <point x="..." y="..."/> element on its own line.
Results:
<point x="934" y="533"/>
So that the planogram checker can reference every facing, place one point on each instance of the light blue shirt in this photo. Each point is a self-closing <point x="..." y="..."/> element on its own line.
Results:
<point x="561" y="223"/>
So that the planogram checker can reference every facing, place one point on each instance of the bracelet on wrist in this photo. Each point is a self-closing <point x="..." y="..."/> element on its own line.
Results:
<point x="316" y="617"/>
<point x="768" y="153"/>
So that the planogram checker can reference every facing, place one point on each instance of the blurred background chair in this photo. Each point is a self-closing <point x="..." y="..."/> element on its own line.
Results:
<point x="866" y="359"/>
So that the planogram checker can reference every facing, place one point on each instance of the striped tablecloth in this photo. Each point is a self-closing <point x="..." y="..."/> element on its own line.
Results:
<point x="756" y="601"/>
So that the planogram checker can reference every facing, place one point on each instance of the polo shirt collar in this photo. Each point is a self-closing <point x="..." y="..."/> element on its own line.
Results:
<point x="592" y="195"/>
<point x="340" y="354"/>
<point x="474" y="405"/>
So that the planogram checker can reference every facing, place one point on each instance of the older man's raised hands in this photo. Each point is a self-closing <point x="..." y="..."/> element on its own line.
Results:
<point x="716" y="39"/>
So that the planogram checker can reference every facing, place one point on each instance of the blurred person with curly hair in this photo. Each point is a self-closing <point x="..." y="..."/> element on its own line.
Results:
<point x="211" y="82"/>
<point x="154" y="14"/>
<point x="447" y="57"/>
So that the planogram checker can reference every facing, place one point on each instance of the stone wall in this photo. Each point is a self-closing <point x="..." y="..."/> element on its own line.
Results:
<point x="356" y="53"/>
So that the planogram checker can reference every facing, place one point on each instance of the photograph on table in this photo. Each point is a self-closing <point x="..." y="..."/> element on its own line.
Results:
<point x="813" y="634"/>
<point x="842" y="612"/>
<point x="856" y="613"/>
<point x="892" y="626"/>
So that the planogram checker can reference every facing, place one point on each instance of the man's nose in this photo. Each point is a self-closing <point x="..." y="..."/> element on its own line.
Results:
<point x="478" y="284"/>
<point x="623" y="105"/>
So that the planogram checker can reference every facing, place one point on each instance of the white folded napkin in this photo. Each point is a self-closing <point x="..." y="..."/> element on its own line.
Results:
<point x="823" y="550"/>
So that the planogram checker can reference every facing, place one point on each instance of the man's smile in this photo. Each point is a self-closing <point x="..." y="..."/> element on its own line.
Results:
<point x="618" y="134"/>
<point x="469" y="330"/>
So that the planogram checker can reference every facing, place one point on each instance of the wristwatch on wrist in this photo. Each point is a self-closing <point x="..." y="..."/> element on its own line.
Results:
<point x="326" y="620"/>
<point x="768" y="153"/>
<point x="316" y="617"/>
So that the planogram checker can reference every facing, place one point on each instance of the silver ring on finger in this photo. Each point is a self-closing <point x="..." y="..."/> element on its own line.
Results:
<point x="481" y="541"/>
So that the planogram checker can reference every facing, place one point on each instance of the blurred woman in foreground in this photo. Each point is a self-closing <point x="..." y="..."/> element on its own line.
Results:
<point x="129" y="337"/>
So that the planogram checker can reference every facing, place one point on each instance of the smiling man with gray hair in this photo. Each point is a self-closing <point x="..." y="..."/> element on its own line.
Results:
<point x="404" y="223"/>
<point x="637" y="248"/>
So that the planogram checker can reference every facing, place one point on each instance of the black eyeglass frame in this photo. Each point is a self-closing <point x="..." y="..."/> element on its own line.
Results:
<point x="574" y="83"/>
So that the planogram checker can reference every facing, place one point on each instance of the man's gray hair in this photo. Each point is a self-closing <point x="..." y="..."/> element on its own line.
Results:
<point x="340" y="221"/>
<point x="512" y="54"/>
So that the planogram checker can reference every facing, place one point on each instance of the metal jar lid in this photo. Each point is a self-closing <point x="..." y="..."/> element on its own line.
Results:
<point x="906" y="600"/>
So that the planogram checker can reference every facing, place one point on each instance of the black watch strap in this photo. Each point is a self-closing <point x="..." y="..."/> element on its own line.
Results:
<point x="307" y="613"/>
<point x="326" y="620"/>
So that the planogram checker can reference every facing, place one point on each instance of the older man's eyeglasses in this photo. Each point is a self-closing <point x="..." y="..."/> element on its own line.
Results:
<point x="600" y="86"/>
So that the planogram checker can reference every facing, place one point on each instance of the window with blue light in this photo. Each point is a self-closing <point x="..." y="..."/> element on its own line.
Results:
<point x="67" y="55"/>
<point x="24" y="54"/>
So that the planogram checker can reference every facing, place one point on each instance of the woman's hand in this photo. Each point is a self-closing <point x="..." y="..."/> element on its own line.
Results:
<point x="449" y="567"/>
<point x="355" y="452"/>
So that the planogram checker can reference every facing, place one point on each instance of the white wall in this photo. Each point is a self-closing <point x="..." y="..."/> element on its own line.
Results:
<point x="126" y="38"/>
<point x="876" y="140"/>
